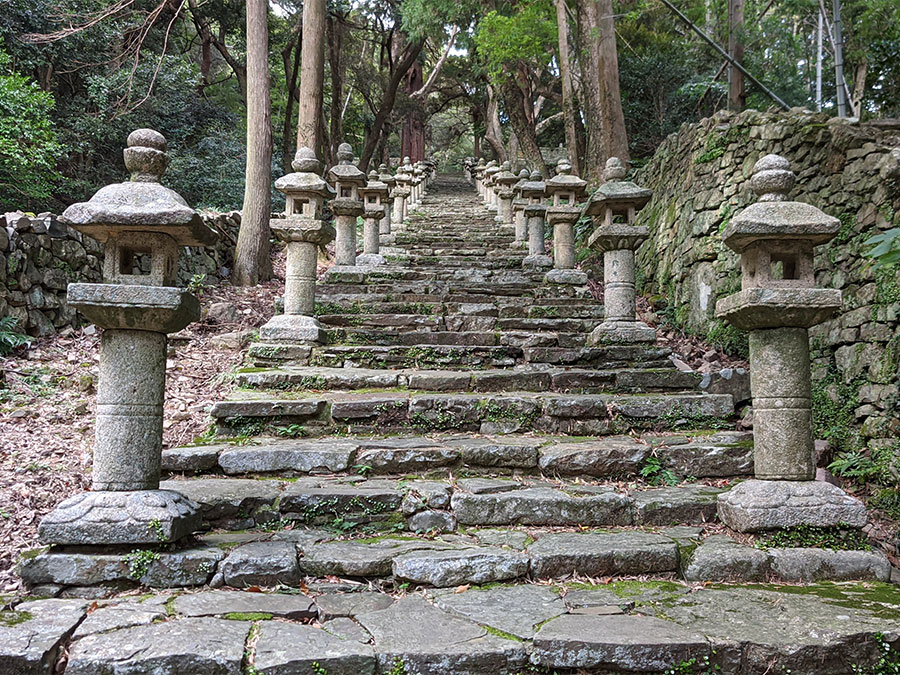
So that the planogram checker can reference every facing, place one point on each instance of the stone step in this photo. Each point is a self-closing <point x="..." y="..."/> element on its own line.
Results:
<point x="356" y="304"/>
<point x="343" y="628"/>
<point x="251" y="413"/>
<point x="524" y="378"/>
<point x="462" y="338"/>
<point x="454" y="322"/>
<point x="514" y="278"/>
<point x="700" y="454"/>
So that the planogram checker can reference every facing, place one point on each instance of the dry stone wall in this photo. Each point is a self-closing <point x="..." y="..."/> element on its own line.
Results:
<point x="39" y="256"/>
<point x="700" y="179"/>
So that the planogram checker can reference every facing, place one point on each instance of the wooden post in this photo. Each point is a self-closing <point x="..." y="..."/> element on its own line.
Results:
<point x="736" y="94"/>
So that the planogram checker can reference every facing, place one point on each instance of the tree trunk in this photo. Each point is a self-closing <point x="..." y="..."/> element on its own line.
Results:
<point x="736" y="95"/>
<point x="412" y="135"/>
<point x="492" y="133"/>
<point x="565" y="73"/>
<point x="605" y="122"/>
<point x="312" y="73"/>
<point x="335" y="52"/>
<point x="251" y="256"/>
<point x="859" y="88"/>
<point x="516" y="105"/>
<point x="291" y="74"/>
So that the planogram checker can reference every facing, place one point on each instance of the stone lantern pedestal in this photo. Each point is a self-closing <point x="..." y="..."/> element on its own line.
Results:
<point x="372" y="194"/>
<point x="384" y="175"/>
<point x="778" y="302"/>
<point x="136" y="218"/>
<point x="478" y="175"/>
<point x="566" y="190"/>
<point x="490" y="194"/>
<point x="518" y="205"/>
<point x="303" y="232"/>
<point x="613" y="206"/>
<point x="346" y="180"/>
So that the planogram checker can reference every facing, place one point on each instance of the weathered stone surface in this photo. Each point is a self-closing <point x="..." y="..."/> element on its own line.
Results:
<point x="298" y="456"/>
<point x="402" y="460"/>
<point x="161" y="309"/>
<point x="454" y="568"/>
<point x="227" y="500"/>
<point x="428" y="641"/>
<point x="720" y="558"/>
<point x="516" y="610"/>
<point x="432" y="521"/>
<point x="542" y="506"/>
<point x="191" y="458"/>
<point x="422" y="494"/>
<point x="316" y="501"/>
<point x="202" y="646"/>
<point x="332" y="605"/>
<point x="722" y="454"/>
<point x="359" y="559"/>
<point x="286" y="649"/>
<point x="218" y="603"/>
<point x="347" y="629"/>
<point x="630" y="643"/>
<point x="135" y="517"/>
<point x="756" y="505"/>
<point x="263" y="563"/>
<point x="814" y="564"/>
<point x="598" y="554"/>
<point x="485" y="486"/>
<point x="31" y="634"/>
<point x="509" y="451"/>
<point x="516" y="539"/>
<point x="686" y="504"/>
<point x="122" y="615"/>
<point x="606" y="458"/>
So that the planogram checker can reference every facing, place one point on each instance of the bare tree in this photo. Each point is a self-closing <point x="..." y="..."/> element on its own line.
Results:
<point x="312" y="74"/>
<point x="251" y="257"/>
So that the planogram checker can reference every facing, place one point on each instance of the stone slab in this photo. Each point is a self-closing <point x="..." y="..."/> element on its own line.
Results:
<point x="295" y="456"/>
<point x="288" y="649"/>
<point x="510" y="451"/>
<point x="541" y="506"/>
<point x="606" y="458"/>
<point x="191" y="458"/>
<point x="815" y="564"/>
<point x="597" y="554"/>
<point x="517" y="610"/>
<point x="120" y="615"/>
<point x="333" y="605"/>
<point x="228" y="501"/>
<point x="359" y="559"/>
<point x="685" y="504"/>
<point x="620" y="642"/>
<point x="458" y="567"/>
<point x="757" y="505"/>
<point x="218" y="603"/>
<point x="198" y="646"/>
<point x="32" y="633"/>
<point x="262" y="563"/>
<point x="720" y="558"/>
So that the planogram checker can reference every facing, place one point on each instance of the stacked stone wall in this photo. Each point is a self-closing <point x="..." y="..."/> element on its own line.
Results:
<point x="700" y="179"/>
<point x="39" y="256"/>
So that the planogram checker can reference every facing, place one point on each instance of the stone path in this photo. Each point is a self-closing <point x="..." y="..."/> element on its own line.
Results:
<point x="437" y="489"/>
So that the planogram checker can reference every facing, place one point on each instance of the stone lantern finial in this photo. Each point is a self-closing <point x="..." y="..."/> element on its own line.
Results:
<point x="345" y="153"/>
<point x="772" y="178"/>
<point x="145" y="156"/>
<point x="615" y="170"/>
<point x="305" y="161"/>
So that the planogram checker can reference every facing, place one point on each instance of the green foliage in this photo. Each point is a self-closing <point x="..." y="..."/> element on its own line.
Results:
<point x="197" y="284"/>
<point x="888" y="662"/>
<point x="655" y="473"/>
<point x="139" y="561"/>
<point x="885" y="247"/>
<point x="28" y="144"/>
<point x="527" y="36"/>
<point x="729" y="339"/>
<point x="834" y="404"/>
<point x="399" y="668"/>
<point x="157" y="529"/>
<point x="694" y="666"/>
<point x="807" y="536"/>
<point x="10" y="339"/>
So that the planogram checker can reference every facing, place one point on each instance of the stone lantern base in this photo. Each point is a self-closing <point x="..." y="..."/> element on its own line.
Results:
<point x="537" y="261"/>
<point x="566" y="276"/>
<point x="759" y="505"/>
<point x="625" y="332"/>
<point x="293" y="329"/>
<point x="130" y="517"/>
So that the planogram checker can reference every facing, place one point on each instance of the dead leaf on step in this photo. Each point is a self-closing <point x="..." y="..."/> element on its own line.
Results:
<point x="462" y="589"/>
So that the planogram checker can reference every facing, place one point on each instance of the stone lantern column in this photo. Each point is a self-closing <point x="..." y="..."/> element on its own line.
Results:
<point x="478" y="173"/>
<point x="521" y="227"/>
<point x="490" y="196"/>
<point x="133" y="219"/>
<point x="303" y="232"/>
<point x="504" y="181"/>
<point x="533" y="192"/>
<point x="346" y="179"/>
<point x="372" y="194"/>
<point x="777" y="303"/>
<point x="566" y="190"/>
<point x="384" y="175"/>
<point x="613" y="208"/>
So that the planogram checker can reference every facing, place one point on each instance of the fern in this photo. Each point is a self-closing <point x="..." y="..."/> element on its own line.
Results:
<point x="10" y="339"/>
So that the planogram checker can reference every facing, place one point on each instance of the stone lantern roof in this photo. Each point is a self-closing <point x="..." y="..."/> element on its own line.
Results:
<point x="384" y="175"/>
<point x="564" y="182"/>
<point x="374" y="186"/>
<point x="534" y="187"/>
<point x="616" y="193"/>
<point x="505" y="177"/>
<point x="345" y="172"/>
<point x="490" y="171"/>
<point x="523" y="178"/>
<point x="141" y="204"/>
<point x="773" y="217"/>
<point x="306" y="178"/>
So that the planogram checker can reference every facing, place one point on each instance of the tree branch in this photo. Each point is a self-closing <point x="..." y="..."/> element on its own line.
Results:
<point x="423" y="92"/>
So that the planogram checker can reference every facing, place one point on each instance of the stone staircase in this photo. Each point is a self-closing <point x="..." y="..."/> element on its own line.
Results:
<point x="553" y="504"/>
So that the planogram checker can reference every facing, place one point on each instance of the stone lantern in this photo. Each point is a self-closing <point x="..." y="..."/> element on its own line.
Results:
<point x="303" y="232"/>
<point x="346" y="179"/>
<point x="533" y="193"/>
<point x="136" y="218"/>
<point x="374" y="196"/>
<point x="478" y="173"/>
<point x="521" y="236"/>
<point x="777" y="303"/>
<point x="418" y="183"/>
<point x="384" y="175"/>
<point x="566" y="190"/>
<point x="401" y="196"/>
<point x="490" y="195"/>
<point x="613" y="208"/>
<point x="504" y="180"/>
